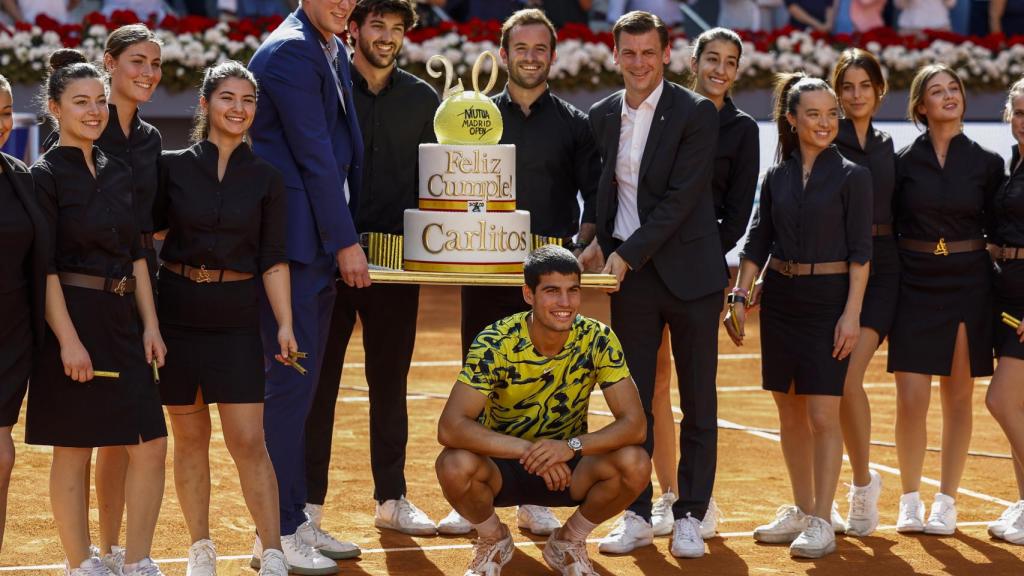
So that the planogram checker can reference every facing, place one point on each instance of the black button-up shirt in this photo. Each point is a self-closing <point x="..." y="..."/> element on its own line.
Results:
<point x="828" y="220"/>
<point x="16" y="236"/>
<point x="556" y="157"/>
<point x="91" y="220"/>
<point x="878" y="156"/>
<point x="1007" y="227"/>
<point x="394" y="123"/>
<point x="933" y="201"/>
<point x="238" y="223"/>
<point x="737" y="162"/>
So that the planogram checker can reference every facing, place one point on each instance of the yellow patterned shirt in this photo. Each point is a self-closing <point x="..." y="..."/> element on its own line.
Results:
<point x="532" y="396"/>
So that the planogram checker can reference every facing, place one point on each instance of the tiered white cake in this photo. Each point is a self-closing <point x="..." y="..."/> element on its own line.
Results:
<point x="467" y="219"/>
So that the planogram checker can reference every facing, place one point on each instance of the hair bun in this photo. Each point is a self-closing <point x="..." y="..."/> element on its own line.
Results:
<point x="66" y="57"/>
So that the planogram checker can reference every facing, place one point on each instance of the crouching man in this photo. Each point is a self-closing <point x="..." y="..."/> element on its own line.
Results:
<point x="515" y="426"/>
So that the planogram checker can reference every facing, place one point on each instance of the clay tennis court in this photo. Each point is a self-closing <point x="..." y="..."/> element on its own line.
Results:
<point x="751" y="483"/>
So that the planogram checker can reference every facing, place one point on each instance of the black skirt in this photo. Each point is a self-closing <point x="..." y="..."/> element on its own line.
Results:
<point x="104" y="411"/>
<point x="15" y="353"/>
<point x="1009" y="298"/>
<point x="798" y="322"/>
<point x="937" y="293"/>
<point x="882" y="294"/>
<point x="213" y="341"/>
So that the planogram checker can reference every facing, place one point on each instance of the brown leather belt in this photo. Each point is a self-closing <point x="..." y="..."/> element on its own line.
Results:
<point x="1005" y="252"/>
<point x="147" y="240"/>
<point x="942" y="248"/>
<point x="881" y="229"/>
<point x="789" y="268"/>
<point x="204" y="275"/>
<point x="119" y="286"/>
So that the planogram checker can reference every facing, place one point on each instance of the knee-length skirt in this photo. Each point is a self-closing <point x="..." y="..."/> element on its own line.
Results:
<point x="15" y="353"/>
<point x="882" y="294"/>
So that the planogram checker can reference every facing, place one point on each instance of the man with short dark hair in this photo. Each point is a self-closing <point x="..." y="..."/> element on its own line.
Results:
<point x="656" y="228"/>
<point x="396" y="113"/>
<point x="515" y="425"/>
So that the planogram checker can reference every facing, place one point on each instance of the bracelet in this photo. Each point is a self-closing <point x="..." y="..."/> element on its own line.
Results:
<point x="741" y="291"/>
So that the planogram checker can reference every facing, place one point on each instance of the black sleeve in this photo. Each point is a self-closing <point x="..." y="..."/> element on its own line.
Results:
<point x="857" y="200"/>
<point x="46" y="193"/>
<point x="993" y="182"/>
<point x="162" y="200"/>
<point x="762" y="232"/>
<point x="587" y="166"/>
<point x="273" y="224"/>
<point x="739" y="198"/>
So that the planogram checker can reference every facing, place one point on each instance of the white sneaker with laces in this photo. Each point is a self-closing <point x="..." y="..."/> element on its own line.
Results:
<point x="709" y="524"/>
<point x="629" y="533"/>
<point x="661" y="514"/>
<point x="568" y="558"/>
<point x="536" y="520"/>
<point x="942" y="520"/>
<point x="817" y="540"/>
<point x="90" y="567"/>
<point x="313" y="512"/>
<point x="686" y="539"/>
<point x="114" y="560"/>
<point x="911" y="517"/>
<point x="1014" y="533"/>
<point x="403" y="516"/>
<point x="454" y="525"/>
<point x="272" y="563"/>
<point x="997" y="528"/>
<point x="789" y="523"/>
<point x="144" y="567"/>
<point x="863" y="517"/>
<point x="309" y="534"/>
<point x="489" y="556"/>
<point x="838" y="523"/>
<point x="202" y="559"/>
<point x="301" y="558"/>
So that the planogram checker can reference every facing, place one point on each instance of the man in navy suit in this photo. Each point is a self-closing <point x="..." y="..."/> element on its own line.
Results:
<point x="306" y="126"/>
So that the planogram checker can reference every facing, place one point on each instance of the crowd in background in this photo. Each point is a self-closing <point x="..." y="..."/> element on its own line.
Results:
<point x="977" y="17"/>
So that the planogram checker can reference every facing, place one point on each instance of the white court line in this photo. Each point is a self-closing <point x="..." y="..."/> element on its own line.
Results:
<point x="458" y="363"/>
<point x="439" y="547"/>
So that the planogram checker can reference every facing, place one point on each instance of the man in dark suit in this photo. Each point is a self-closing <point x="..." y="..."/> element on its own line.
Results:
<point x="306" y="126"/>
<point x="657" y="233"/>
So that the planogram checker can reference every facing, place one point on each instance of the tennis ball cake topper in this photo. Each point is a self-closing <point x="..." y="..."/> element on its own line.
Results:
<point x="466" y="117"/>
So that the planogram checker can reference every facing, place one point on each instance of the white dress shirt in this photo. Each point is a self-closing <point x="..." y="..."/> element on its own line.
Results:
<point x="332" y="52"/>
<point x="636" y="126"/>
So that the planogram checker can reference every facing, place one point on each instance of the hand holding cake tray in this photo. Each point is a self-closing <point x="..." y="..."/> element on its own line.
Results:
<point x="466" y="229"/>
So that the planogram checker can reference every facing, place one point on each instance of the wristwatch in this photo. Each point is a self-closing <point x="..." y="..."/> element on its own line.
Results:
<point x="576" y="445"/>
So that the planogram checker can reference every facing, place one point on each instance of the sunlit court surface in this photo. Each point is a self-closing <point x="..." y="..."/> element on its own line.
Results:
<point x="751" y="483"/>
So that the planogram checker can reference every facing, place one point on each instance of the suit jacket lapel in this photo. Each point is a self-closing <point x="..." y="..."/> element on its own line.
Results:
<point x="657" y="127"/>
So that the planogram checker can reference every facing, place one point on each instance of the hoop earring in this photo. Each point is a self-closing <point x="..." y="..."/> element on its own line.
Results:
<point x="792" y="129"/>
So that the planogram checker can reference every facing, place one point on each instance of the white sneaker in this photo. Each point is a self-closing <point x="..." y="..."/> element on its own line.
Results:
<point x="202" y="559"/>
<point x="911" y="518"/>
<point x="863" y="517"/>
<point x="313" y="512"/>
<point x="997" y="528"/>
<point x="942" y="520"/>
<point x="817" y="540"/>
<point x="403" y="516"/>
<point x="709" y="524"/>
<point x="144" y="567"/>
<point x="789" y="523"/>
<point x="537" y="520"/>
<point x="686" y="539"/>
<point x="454" y="525"/>
<point x="489" y="556"/>
<point x="1014" y="533"/>
<point x="838" y="523"/>
<point x="114" y="560"/>
<point x="661" y="514"/>
<point x="568" y="558"/>
<point x="309" y="534"/>
<point x="629" y="533"/>
<point x="90" y="567"/>
<point x="301" y="558"/>
<point x="272" y="563"/>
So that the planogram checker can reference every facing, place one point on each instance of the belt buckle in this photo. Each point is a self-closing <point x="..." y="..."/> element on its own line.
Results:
<point x="204" y="276"/>
<point x="788" y="266"/>
<point x="940" y="248"/>
<point x="122" y="286"/>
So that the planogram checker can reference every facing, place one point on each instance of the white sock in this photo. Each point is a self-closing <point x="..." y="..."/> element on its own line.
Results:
<point x="489" y="529"/>
<point x="577" y="527"/>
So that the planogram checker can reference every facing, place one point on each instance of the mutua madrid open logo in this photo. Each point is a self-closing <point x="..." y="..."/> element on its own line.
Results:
<point x="477" y="122"/>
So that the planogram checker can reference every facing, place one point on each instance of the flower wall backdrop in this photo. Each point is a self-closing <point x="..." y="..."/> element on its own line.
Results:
<point x="584" y="57"/>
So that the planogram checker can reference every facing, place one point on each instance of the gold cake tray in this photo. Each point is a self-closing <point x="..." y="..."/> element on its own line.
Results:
<point x="393" y="276"/>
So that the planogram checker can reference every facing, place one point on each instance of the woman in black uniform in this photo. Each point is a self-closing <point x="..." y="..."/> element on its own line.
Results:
<point x="1005" y="397"/>
<point x="22" y="284"/>
<point x="224" y="209"/>
<point x="814" y="221"/>
<point x="943" y="324"/>
<point x="714" y="64"/>
<point x="92" y="383"/>
<point x="860" y="85"/>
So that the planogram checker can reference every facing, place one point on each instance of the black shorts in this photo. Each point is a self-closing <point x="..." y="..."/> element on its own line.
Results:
<point x="519" y="487"/>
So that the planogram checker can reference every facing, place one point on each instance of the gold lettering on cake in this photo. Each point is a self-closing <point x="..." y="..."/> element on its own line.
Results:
<point x="488" y="238"/>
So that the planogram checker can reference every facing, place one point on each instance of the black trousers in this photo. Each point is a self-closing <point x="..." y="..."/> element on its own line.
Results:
<point x="640" y="310"/>
<point x="388" y="313"/>
<point x="485" y="305"/>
